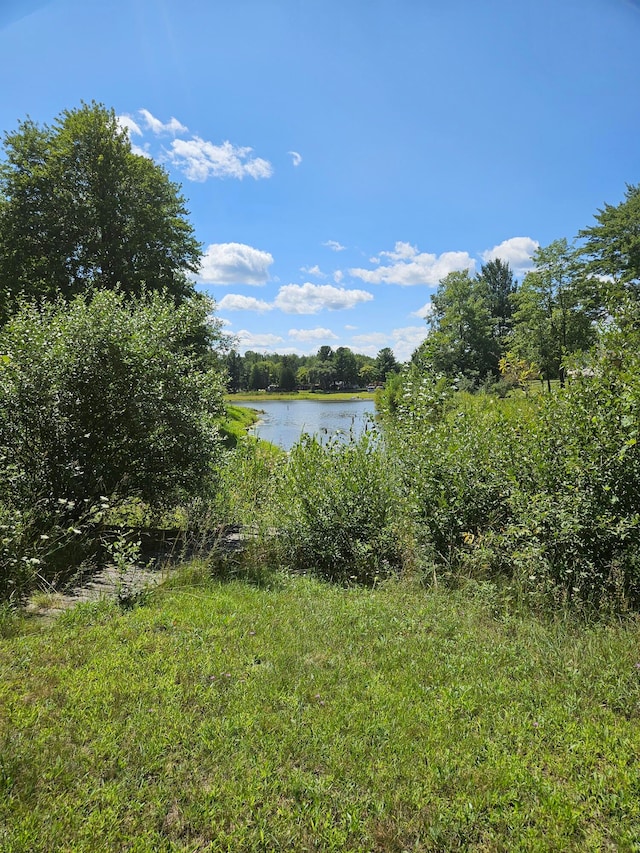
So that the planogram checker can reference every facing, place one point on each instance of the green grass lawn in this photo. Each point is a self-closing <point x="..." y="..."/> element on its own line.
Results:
<point x="257" y="396"/>
<point x="225" y="717"/>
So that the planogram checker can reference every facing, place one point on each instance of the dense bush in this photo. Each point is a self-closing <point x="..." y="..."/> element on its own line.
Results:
<point x="105" y="399"/>
<point x="540" y="491"/>
<point x="337" y="511"/>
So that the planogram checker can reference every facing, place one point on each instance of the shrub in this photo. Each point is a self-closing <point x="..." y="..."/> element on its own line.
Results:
<point x="104" y="399"/>
<point x="338" y="514"/>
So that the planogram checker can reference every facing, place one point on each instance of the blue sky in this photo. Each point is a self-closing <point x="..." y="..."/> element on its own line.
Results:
<point x="339" y="157"/>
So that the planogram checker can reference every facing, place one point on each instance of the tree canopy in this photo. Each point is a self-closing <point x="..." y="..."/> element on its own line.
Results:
<point x="80" y="211"/>
<point x="461" y="341"/>
<point x="612" y="249"/>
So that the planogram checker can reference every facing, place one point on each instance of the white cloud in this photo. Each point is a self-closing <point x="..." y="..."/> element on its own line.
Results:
<point x="338" y="276"/>
<point x="423" y="312"/>
<point x="517" y="252"/>
<point x="306" y="335"/>
<point x="295" y="157"/>
<point x="249" y="340"/>
<point x="372" y="339"/>
<point x="236" y="302"/>
<point x="413" y="267"/>
<point x="154" y="124"/>
<point x="406" y="340"/>
<point x="314" y="270"/>
<point x="127" y="123"/>
<point x="402" y="252"/>
<point x="142" y="152"/>
<point x="334" y="246"/>
<point x="199" y="160"/>
<point x="313" y="298"/>
<point x="351" y="328"/>
<point x="235" y="263"/>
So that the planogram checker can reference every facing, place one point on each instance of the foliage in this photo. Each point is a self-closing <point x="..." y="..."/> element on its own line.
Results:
<point x="326" y="370"/>
<point x="612" y="252"/>
<point x="105" y="399"/>
<point x="79" y="211"/>
<point x="237" y="420"/>
<point x="461" y="343"/>
<point x="337" y="511"/>
<point x="541" y="492"/>
<point x="500" y="288"/>
<point x="518" y="371"/>
<point x="551" y="318"/>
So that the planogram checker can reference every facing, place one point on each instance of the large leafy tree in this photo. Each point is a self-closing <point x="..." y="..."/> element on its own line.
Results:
<point x="551" y="317"/>
<point x="611" y="253"/>
<point x="461" y="341"/>
<point x="79" y="210"/>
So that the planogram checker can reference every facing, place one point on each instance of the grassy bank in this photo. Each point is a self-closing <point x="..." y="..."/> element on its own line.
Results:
<point x="237" y="421"/>
<point x="257" y="396"/>
<point x="308" y="717"/>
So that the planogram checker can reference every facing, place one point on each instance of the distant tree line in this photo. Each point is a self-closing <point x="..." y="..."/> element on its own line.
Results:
<point x="480" y="324"/>
<point x="327" y="370"/>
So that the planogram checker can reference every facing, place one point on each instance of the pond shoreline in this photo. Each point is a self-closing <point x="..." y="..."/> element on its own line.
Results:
<point x="319" y="397"/>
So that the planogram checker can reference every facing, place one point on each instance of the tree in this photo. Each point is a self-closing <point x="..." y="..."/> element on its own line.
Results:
<point x="346" y="366"/>
<point x="551" y="320"/>
<point x="612" y="253"/>
<point x="287" y="379"/>
<point x="461" y="343"/>
<point x="385" y="364"/>
<point x="497" y="279"/>
<point x="325" y="353"/>
<point x="79" y="211"/>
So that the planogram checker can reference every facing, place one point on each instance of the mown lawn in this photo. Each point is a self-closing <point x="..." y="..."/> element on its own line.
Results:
<point x="224" y="717"/>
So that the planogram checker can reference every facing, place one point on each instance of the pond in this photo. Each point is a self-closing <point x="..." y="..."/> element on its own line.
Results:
<point x="283" y="421"/>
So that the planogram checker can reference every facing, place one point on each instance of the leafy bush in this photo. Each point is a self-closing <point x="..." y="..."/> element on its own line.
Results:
<point x="337" y="511"/>
<point x="104" y="399"/>
<point x="99" y="400"/>
<point x="541" y="491"/>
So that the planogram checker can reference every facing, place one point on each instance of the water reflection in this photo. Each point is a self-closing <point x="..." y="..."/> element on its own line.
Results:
<point x="283" y="421"/>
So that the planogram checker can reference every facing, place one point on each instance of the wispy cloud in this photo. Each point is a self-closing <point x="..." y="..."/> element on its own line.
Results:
<point x="235" y="263"/>
<point x="406" y="340"/>
<point x="423" y="312"/>
<point x="126" y="122"/>
<point x="517" y="252"/>
<point x="409" y="266"/>
<point x="250" y="340"/>
<point x="313" y="298"/>
<point x="372" y="339"/>
<point x="295" y="157"/>
<point x="334" y="246"/>
<point x="236" y="302"/>
<point x="173" y="126"/>
<point x="306" y="335"/>
<point x="314" y="270"/>
<point x="199" y="160"/>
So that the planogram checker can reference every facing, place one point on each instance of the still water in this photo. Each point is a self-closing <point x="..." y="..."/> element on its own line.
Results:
<point x="283" y="421"/>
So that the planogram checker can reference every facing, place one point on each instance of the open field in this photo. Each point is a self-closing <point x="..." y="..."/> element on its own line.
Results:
<point x="221" y="716"/>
